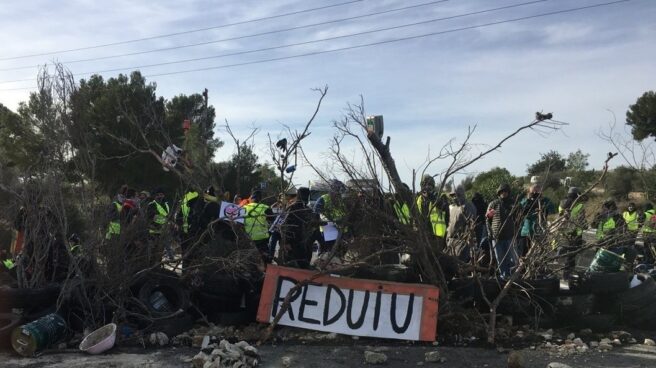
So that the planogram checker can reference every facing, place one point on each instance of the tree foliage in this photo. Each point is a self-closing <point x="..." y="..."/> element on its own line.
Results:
<point x="487" y="182"/>
<point x="577" y="161"/>
<point x="550" y="162"/>
<point x="641" y="116"/>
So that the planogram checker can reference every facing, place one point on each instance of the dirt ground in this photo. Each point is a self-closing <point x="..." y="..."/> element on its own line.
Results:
<point x="342" y="356"/>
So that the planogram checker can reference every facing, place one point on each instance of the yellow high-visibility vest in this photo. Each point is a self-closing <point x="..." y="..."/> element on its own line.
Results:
<point x="114" y="227"/>
<point x="402" y="212"/>
<point x="605" y="227"/>
<point x="184" y="207"/>
<point x="255" y="222"/>
<point x="648" y="226"/>
<point x="160" y="218"/>
<point x="437" y="217"/>
<point x="631" y="220"/>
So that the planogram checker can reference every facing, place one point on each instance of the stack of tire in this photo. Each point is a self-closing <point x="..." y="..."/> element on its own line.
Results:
<point x="525" y="301"/>
<point x="636" y="306"/>
<point x="161" y="303"/>
<point x="229" y="299"/>
<point x="588" y="303"/>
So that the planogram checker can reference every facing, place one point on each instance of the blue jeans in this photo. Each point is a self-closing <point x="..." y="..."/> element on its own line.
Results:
<point x="504" y="252"/>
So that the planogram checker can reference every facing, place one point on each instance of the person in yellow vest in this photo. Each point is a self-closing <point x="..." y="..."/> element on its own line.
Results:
<point x="158" y="216"/>
<point x="331" y="210"/>
<point x="632" y="218"/>
<point x="572" y="210"/>
<point x="649" y="233"/>
<point x="433" y="210"/>
<point x="114" y="215"/>
<point x="257" y="221"/>
<point x="187" y="222"/>
<point x="612" y="233"/>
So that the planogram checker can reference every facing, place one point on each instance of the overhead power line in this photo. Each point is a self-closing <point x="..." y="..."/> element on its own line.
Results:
<point x="239" y="37"/>
<point x="183" y="32"/>
<point x="406" y="25"/>
<point x="389" y="41"/>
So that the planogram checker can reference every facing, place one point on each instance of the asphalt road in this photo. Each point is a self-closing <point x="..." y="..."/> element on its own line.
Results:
<point x="343" y="355"/>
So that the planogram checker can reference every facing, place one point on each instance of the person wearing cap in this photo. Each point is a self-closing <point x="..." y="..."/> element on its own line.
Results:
<point x="296" y="231"/>
<point x="142" y="198"/>
<point x="502" y="221"/>
<point x="257" y="221"/>
<point x="534" y="211"/>
<point x="331" y="210"/>
<point x="461" y="230"/>
<point x="572" y="212"/>
<point x="433" y="209"/>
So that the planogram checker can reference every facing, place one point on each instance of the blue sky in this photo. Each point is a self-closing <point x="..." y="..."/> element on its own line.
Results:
<point x="578" y="65"/>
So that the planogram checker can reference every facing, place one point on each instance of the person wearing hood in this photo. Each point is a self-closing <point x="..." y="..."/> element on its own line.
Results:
<point x="534" y="211"/>
<point x="462" y="223"/>
<point x="296" y="229"/>
<point x="502" y="222"/>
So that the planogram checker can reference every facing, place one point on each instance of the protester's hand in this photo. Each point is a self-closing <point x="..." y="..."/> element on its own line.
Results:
<point x="490" y="213"/>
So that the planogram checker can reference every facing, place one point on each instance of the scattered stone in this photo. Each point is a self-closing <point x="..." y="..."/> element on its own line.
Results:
<point x="355" y="337"/>
<point x="286" y="361"/>
<point x="605" y="346"/>
<point x="435" y="343"/>
<point x="616" y="342"/>
<point x="372" y="357"/>
<point x="205" y="343"/>
<point x="199" y="360"/>
<point x="578" y="342"/>
<point x="158" y="338"/>
<point x="605" y="341"/>
<point x="557" y="365"/>
<point x="432" y="356"/>
<point x="594" y="344"/>
<point x="571" y="336"/>
<point x="420" y="363"/>
<point x="442" y="360"/>
<point x="515" y="360"/>
<point x="649" y="342"/>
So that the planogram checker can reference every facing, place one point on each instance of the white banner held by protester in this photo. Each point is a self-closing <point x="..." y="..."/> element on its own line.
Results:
<point x="350" y="306"/>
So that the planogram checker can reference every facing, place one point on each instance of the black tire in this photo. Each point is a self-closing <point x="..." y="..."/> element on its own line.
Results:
<point x="604" y="283"/>
<point x="637" y="297"/>
<point x="175" y="293"/>
<point x="27" y="298"/>
<point x="542" y="287"/>
<point x="598" y="322"/>
<point x="222" y="284"/>
<point x="462" y="288"/>
<point x="572" y="307"/>
<point x="643" y="318"/>
<point x="8" y="321"/>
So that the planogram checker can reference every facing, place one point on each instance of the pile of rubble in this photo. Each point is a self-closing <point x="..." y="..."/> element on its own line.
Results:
<point x="225" y="354"/>
<point x="585" y="342"/>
